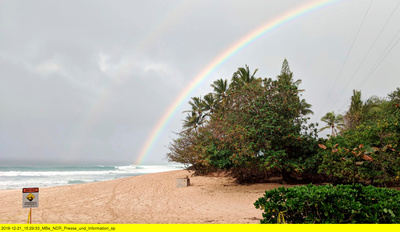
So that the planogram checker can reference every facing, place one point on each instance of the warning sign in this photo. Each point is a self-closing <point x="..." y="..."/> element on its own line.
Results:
<point x="30" y="197"/>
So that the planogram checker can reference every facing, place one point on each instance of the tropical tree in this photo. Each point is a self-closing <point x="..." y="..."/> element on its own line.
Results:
<point x="368" y="152"/>
<point x="196" y="115"/>
<point x="243" y="76"/>
<point x="353" y="116"/>
<point x="209" y="104"/>
<point x="305" y="107"/>
<point x="333" y="121"/>
<point x="286" y="76"/>
<point x="360" y="111"/>
<point x="260" y="130"/>
<point x="192" y="121"/>
<point x="220" y="87"/>
<point x="197" y="105"/>
<point x="372" y="108"/>
<point x="394" y="96"/>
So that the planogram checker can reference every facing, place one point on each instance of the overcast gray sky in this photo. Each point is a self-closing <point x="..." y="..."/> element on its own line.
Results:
<point x="87" y="81"/>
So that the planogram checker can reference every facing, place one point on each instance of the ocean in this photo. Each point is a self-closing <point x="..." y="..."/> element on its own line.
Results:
<point x="18" y="177"/>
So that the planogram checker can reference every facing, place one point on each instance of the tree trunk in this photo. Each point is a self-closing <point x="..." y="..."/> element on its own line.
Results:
<point x="286" y="177"/>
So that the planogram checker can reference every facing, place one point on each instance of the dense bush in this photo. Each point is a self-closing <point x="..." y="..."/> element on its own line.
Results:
<point x="261" y="133"/>
<point x="368" y="152"/>
<point x="330" y="204"/>
<point x="255" y="129"/>
<point x="368" y="165"/>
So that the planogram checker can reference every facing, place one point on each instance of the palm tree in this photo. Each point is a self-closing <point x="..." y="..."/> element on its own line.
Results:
<point x="196" y="116"/>
<point x="209" y="104"/>
<point x="356" y="105"/>
<point x="220" y="88"/>
<point x="243" y="76"/>
<point x="201" y="108"/>
<point x="197" y="105"/>
<point x="193" y="121"/>
<point x="305" y="107"/>
<point x="333" y="121"/>
<point x="354" y="114"/>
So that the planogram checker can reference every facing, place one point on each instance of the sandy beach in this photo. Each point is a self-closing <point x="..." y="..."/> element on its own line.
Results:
<point x="146" y="199"/>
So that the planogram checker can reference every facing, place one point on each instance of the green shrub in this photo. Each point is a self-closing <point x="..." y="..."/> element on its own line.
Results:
<point x="255" y="128"/>
<point x="367" y="153"/>
<point x="330" y="204"/>
<point x="368" y="165"/>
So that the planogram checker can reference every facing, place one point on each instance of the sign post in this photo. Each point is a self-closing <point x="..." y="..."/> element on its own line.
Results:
<point x="30" y="199"/>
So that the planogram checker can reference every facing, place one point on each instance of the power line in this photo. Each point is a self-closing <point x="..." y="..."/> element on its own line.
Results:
<point x="381" y="58"/>
<point x="369" y="50"/>
<point x="345" y="60"/>
<point x="374" y="68"/>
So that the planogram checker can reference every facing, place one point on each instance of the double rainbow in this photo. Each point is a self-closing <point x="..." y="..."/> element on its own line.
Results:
<point x="219" y="60"/>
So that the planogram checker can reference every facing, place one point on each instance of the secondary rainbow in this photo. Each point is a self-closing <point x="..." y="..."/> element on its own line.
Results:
<point x="219" y="60"/>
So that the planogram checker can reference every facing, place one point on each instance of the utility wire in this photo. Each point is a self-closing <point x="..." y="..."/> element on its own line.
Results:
<point x="375" y="67"/>
<point x="381" y="58"/>
<point x="345" y="60"/>
<point x="369" y="50"/>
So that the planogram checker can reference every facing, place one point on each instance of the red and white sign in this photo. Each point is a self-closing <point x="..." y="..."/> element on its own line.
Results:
<point x="30" y="197"/>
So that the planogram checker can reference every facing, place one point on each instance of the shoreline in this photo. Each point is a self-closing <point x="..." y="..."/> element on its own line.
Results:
<point x="145" y="199"/>
<point x="18" y="177"/>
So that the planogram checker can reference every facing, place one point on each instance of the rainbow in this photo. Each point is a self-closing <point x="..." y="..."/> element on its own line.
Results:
<point x="219" y="60"/>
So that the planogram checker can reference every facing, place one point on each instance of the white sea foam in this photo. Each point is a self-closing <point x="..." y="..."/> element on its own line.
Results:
<point x="16" y="177"/>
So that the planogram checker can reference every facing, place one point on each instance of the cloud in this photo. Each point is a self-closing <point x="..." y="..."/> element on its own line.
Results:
<point x="88" y="80"/>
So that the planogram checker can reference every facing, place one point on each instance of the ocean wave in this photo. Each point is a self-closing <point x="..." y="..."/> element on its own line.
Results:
<point x="22" y="177"/>
<point x="76" y="182"/>
<point x="60" y="168"/>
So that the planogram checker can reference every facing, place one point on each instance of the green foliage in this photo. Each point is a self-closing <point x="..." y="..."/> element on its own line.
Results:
<point x="333" y="122"/>
<point x="369" y="165"/>
<point x="330" y="204"/>
<point x="188" y="149"/>
<point x="255" y="128"/>
<point x="368" y="152"/>
<point x="394" y="97"/>
<point x="261" y="130"/>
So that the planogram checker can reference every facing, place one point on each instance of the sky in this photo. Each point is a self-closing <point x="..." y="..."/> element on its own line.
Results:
<point x="87" y="82"/>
